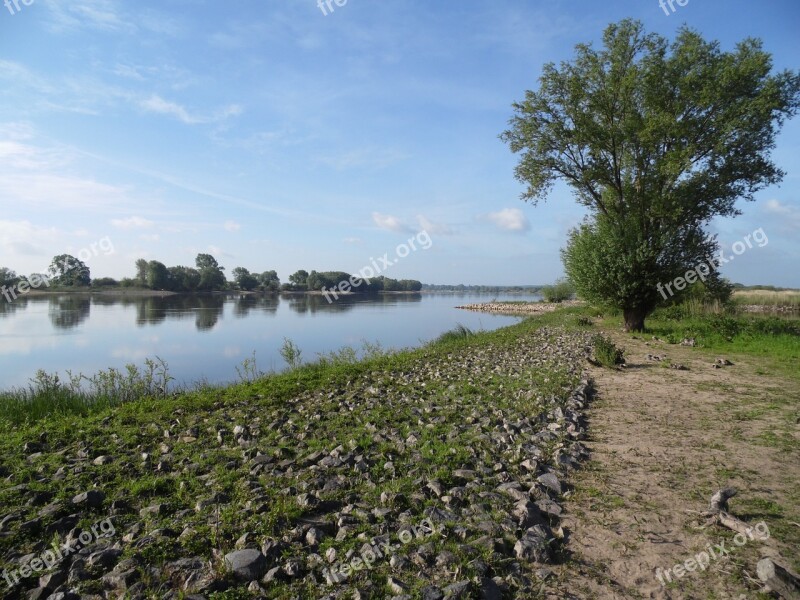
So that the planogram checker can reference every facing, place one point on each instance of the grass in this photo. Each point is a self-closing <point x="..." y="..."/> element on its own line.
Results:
<point x="138" y="425"/>
<point x="790" y="298"/>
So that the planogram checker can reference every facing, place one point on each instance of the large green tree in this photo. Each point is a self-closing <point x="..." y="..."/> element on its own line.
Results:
<point x="211" y="274"/>
<point x="66" y="270"/>
<point x="655" y="139"/>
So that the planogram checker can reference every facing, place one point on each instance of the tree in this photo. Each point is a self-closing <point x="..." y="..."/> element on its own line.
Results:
<point x="157" y="276"/>
<point x="8" y="277"/>
<point x="299" y="279"/>
<point x="183" y="279"/>
<point x="66" y="270"/>
<point x="211" y="274"/>
<point x="655" y="140"/>
<point x="244" y="279"/>
<point x="269" y="281"/>
<point x="141" y="272"/>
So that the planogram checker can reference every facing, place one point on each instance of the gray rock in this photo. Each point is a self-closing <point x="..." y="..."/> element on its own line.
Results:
<point x="550" y="481"/>
<point x="246" y="565"/>
<point x="92" y="499"/>
<point x="459" y="589"/>
<point x="397" y="586"/>
<point x="431" y="592"/>
<point x="534" y="546"/>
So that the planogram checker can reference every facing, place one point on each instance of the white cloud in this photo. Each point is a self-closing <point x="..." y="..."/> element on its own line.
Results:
<point x="389" y="222"/>
<point x="373" y="158"/>
<point x="132" y="223"/>
<point x="21" y="238"/>
<point x="352" y="240"/>
<point x="232" y="226"/>
<point x="435" y="228"/>
<point x="158" y="105"/>
<point x="150" y="237"/>
<point x="509" y="219"/>
<point x="788" y="214"/>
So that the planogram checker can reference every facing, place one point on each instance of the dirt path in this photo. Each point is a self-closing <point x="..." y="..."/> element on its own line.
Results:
<point x="662" y="442"/>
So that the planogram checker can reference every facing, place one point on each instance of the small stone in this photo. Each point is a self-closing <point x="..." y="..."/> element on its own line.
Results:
<point x="397" y="586"/>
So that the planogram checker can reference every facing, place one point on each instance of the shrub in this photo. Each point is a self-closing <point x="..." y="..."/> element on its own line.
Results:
<point x="606" y="352"/>
<point x="459" y="332"/>
<point x="560" y="291"/>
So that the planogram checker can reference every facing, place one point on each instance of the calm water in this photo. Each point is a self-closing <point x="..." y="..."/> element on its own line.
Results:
<point x="207" y="337"/>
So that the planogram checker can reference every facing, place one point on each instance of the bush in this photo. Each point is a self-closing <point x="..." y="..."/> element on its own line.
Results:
<point x="560" y="291"/>
<point x="459" y="332"/>
<point x="606" y="352"/>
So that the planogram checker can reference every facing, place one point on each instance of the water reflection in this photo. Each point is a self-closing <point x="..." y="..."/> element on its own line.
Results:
<point x="67" y="311"/>
<point x="206" y="337"/>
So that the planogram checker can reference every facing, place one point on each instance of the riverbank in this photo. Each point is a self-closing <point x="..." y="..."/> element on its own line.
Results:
<point x="521" y="307"/>
<point x="280" y="486"/>
<point x="459" y="468"/>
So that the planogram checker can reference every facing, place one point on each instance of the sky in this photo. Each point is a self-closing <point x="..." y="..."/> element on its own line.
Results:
<point x="274" y="134"/>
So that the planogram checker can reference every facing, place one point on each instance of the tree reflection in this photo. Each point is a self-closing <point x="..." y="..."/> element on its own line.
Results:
<point x="69" y="311"/>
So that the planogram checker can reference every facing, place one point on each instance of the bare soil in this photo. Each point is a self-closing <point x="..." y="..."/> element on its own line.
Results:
<point x="662" y="442"/>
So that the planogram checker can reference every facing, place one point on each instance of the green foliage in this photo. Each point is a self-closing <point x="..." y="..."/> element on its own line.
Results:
<point x="458" y="333"/>
<point x="291" y="353"/>
<point x="211" y="274"/>
<point x="68" y="271"/>
<point x="299" y="279"/>
<point x="249" y="372"/>
<point x="8" y="277"/>
<point x="655" y="139"/>
<point x="101" y="282"/>
<point x="49" y="395"/>
<point x="244" y="279"/>
<point x="559" y="292"/>
<point x="606" y="352"/>
<point x="157" y="275"/>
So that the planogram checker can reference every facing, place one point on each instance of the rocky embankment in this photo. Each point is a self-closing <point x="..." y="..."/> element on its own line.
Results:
<point x="438" y="476"/>
<point x="518" y="308"/>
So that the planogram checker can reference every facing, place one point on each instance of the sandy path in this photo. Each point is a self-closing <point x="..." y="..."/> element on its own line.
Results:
<point x="663" y="441"/>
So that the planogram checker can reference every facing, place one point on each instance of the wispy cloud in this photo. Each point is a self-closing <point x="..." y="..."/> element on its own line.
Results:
<point x="103" y="15"/>
<point x="232" y="226"/>
<point x="374" y="158"/>
<point x="389" y="223"/>
<point x="789" y="214"/>
<point x="434" y="228"/>
<point x="132" y="223"/>
<point x="159" y="105"/>
<point x="509" y="219"/>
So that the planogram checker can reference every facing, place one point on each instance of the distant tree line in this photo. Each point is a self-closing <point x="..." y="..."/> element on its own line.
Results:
<point x="494" y="289"/>
<point x="319" y="281"/>
<point x="207" y="275"/>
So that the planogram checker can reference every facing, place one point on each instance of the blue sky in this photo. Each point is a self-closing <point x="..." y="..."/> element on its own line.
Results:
<point x="277" y="137"/>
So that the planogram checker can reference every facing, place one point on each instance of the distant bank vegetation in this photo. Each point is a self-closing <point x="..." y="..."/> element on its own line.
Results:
<point x="68" y="272"/>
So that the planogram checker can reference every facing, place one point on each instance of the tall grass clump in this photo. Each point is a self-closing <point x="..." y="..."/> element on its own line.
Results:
<point x="459" y="332"/>
<point x="559" y="292"/>
<point x="606" y="352"/>
<point x="49" y="395"/>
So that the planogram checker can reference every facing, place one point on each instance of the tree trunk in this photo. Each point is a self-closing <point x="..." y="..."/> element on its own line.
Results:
<point x="634" y="319"/>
